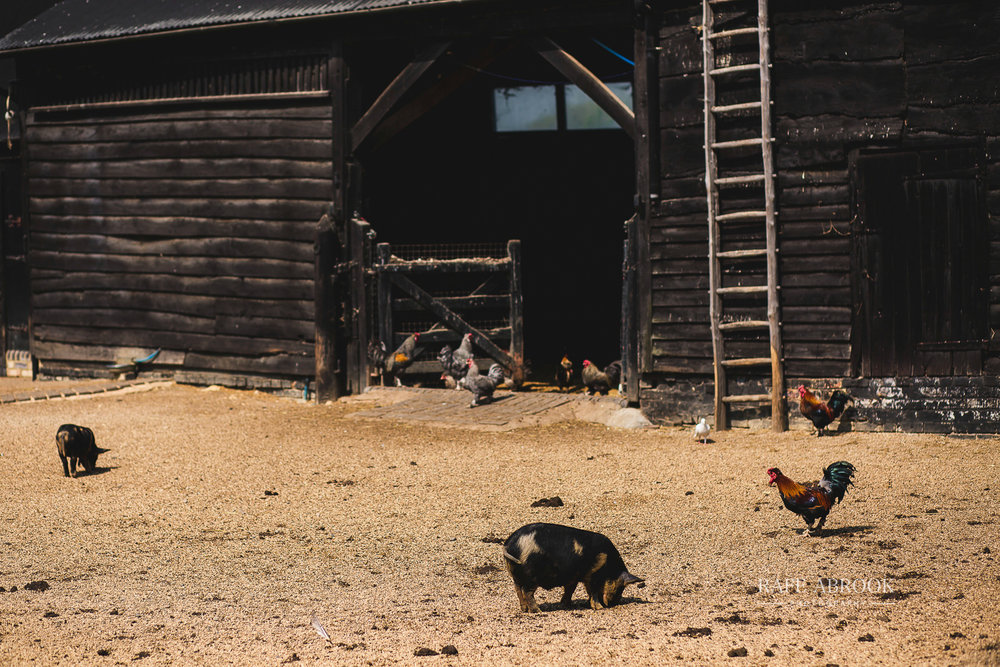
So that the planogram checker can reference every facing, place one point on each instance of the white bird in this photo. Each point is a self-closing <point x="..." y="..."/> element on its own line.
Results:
<point x="701" y="431"/>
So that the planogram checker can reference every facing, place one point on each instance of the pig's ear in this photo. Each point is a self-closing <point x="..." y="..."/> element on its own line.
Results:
<point x="629" y="578"/>
<point x="101" y="450"/>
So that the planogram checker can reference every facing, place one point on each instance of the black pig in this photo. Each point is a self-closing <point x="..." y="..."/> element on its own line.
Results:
<point x="76" y="443"/>
<point x="547" y="555"/>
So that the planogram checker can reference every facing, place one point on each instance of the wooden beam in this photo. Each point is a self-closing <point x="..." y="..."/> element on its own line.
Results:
<point x="450" y="318"/>
<point x="394" y="92"/>
<point x="434" y="95"/>
<point x="588" y="82"/>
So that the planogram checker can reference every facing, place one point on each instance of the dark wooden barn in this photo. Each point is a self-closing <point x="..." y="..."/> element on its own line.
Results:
<point x="732" y="197"/>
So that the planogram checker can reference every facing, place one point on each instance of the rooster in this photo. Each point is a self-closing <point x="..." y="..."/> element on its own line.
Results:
<point x="398" y="361"/>
<point x="481" y="386"/>
<point x="564" y="376"/>
<point x="819" y="413"/>
<point x="814" y="501"/>
<point x="454" y="364"/>
<point x="597" y="381"/>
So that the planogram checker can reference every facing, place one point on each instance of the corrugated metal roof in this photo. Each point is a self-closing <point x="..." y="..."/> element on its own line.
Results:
<point x="87" y="20"/>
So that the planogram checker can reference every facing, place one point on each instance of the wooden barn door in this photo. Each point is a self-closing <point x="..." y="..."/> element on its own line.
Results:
<point x="920" y="260"/>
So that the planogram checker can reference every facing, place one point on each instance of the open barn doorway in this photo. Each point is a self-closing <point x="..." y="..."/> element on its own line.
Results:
<point x="517" y="152"/>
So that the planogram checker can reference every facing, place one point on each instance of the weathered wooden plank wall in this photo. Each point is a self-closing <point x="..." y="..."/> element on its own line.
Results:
<point x="878" y="74"/>
<point x="185" y="229"/>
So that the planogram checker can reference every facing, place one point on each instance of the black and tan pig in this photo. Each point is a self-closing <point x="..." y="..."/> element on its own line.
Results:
<point x="547" y="555"/>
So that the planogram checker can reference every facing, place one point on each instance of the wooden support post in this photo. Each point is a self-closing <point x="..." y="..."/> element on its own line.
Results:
<point x="646" y="95"/>
<point x="325" y="311"/>
<point x="779" y="411"/>
<point x="384" y="296"/>
<point x="329" y="386"/>
<point x="358" y="240"/>
<point x="629" y="334"/>
<point x="516" y="312"/>
<point x="588" y="82"/>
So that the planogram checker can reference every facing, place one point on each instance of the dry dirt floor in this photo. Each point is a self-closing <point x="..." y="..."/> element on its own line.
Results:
<point x="222" y="522"/>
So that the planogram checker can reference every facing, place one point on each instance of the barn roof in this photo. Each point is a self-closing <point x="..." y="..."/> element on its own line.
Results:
<point x="87" y="20"/>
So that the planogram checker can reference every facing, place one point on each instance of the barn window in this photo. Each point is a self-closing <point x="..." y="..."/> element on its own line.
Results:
<point x="525" y="109"/>
<point x="553" y="107"/>
<point x="582" y="113"/>
<point x="921" y="263"/>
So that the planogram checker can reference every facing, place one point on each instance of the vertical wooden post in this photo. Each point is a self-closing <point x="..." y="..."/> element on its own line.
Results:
<point x="629" y="339"/>
<point x="358" y="235"/>
<point x="384" y="297"/>
<point x="779" y="411"/>
<point x="516" y="309"/>
<point x="325" y="311"/>
<point x="328" y="384"/>
<point x="646" y="96"/>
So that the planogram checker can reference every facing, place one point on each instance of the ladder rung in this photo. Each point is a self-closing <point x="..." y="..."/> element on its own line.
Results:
<point x="722" y="34"/>
<point x="733" y="108"/>
<point x="737" y="143"/>
<point x="741" y="215"/>
<point x="749" y="361"/>
<point x="747" y="398"/>
<point x="740" y="254"/>
<point x="740" y="180"/>
<point x="751" y="289"/>
<point x="735" y="69"/>
<point x="744" y="324"/>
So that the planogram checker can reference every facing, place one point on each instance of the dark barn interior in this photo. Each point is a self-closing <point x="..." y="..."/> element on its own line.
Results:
<point x="450" y="177"/>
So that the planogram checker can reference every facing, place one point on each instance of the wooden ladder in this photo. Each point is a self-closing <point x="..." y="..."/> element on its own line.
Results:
<point x="739" y="182"/>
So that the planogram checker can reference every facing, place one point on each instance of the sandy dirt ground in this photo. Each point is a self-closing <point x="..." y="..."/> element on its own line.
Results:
<point x="221" y="522"/>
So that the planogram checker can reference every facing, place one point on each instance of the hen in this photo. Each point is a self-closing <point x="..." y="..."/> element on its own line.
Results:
<point x="397" y="362"/>
<point x="819" y="413"/>
<point x="481" y="386"/>
<point x="598" y="381"/>
<point x="454" y="364"/>
<point x="564" y="375"/>
<point x="701" y="431"/>
<point x="814" y="501"/>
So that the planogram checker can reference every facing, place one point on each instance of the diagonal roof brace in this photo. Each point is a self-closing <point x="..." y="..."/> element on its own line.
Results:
<point x="395" y="91"/>
<point x="588" y="82"/>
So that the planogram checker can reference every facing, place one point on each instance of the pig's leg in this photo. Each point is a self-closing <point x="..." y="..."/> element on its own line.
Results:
<point x="529" y="596"/>
<point x="72" y="466"/>
<point x="567" y="598"/>
<point x="526" y="598"/>
<point x="594" y="591"/>
<point x="65" y="466"/>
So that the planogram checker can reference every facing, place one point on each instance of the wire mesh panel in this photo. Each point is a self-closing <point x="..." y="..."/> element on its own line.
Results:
<point x="445" y="291"/>
<point x="428" y="251"/>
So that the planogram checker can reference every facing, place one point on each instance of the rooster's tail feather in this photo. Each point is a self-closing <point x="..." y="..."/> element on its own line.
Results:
<point x="377" y="353"/>
<point x="838" y="401"/>
<point x="837" y="477"/>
